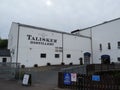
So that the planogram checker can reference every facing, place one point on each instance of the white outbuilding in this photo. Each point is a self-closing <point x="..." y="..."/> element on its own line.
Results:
<point x="105" y="38"/>
<point x="5" y="56"/>
<point x="30" y="45"/>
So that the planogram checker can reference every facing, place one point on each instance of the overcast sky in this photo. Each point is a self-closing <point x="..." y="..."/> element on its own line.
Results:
<point x="62" y="15"/>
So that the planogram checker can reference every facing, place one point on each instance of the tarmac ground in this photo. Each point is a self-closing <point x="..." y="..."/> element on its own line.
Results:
<point x="17" y="85"/>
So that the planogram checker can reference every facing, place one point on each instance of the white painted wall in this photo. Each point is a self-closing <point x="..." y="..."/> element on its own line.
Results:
<point x="104" y="34"/>
<point x="76" y="46"/>
<point x="86" y="32"/>
<point x="109" y="32"/>
<point x="12" y="41"/>
<point x="29" y="54"/>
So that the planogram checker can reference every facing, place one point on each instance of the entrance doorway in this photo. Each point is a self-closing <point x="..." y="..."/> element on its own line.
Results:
<point x="87" y="58"/>
<point x="105" y="59"/>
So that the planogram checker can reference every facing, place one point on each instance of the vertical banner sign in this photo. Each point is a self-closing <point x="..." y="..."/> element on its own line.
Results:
<point x="67" y="78"/>
<point x="73" y="77"/>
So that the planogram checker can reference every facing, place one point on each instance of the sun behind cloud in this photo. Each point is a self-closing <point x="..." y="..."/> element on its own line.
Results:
<point x="48" y="2"/>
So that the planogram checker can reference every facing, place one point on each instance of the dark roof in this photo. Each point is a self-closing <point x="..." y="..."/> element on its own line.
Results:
<point x="95" y="25"/>
<point x="4" y="52"/>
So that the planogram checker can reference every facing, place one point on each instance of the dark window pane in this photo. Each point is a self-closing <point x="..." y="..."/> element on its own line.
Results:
<point x="43" y="55"/>
<point x="118" y="45"/>
<point x="68" y="56"/>
<point x="57" y="55"/>
<point x="118" y="58"/>
<point x="4" y="60"/>
<point x="100" y="46"/>
<point x="109" y="46"/>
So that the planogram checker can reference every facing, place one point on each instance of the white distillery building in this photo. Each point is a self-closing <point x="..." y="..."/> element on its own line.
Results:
<point x="105" y="40"/>
<point x="30" y="45"/>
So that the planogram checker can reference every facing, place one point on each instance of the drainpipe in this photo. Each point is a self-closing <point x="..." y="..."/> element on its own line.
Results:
<point x="17" y="44"/>
<point x="62" y="48"/>
<point x="91" y="45"/>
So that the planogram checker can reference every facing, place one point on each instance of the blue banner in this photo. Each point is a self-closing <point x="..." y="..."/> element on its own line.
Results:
<point x="67" y="78"/>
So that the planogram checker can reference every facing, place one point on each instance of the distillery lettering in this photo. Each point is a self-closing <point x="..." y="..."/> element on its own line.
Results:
<point x="41" y="40"/>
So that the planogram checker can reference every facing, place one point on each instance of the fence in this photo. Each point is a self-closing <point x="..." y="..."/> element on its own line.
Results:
<point x="101" y="67"/>
<point x="77" y="69"/>
<point x="85" y="82"/>
<point x="92" y="68"/>
<point x="8" y="70"/>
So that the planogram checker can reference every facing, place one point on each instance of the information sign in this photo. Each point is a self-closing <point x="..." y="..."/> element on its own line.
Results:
<point x="67" y="78"/>
<point x="26" y="79"/>
<point x="95" y="78"/>
<point x="73" y="77"/>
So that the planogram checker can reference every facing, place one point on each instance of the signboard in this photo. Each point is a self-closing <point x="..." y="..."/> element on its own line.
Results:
<point x="26" y="79"/>
<point x="73" y="77"/>
<point x="67" y="78"/>
<point x="41" y="40"/>
<point x="95" y="78"/>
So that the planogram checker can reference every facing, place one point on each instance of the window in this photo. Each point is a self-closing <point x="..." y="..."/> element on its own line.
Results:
<point x="43" y="55"/>
<point x="100" y="46"/>
<point x="57" y="55"/>
<point x="119" y="59"/>
<point x="4" y="60"/>
<point x="68" y="55"/>
<point x="81" y="61"/>
<point x="109" y="46"/>
<point x="119" y="45"/>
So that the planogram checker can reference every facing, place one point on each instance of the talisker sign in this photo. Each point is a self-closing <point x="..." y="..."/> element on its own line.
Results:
<point x="41" y="40"/>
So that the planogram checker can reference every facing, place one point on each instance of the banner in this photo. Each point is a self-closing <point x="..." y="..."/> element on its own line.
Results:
<point x="73" y="77"/>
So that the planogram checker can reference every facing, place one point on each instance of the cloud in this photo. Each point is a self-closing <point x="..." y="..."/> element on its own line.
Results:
<point x="64" y="15"/>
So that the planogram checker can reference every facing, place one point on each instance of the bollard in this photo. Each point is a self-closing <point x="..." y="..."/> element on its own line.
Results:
<point x="80" y="83"/>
